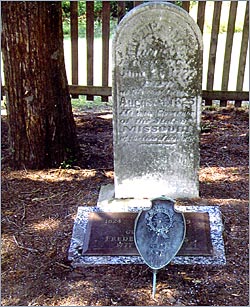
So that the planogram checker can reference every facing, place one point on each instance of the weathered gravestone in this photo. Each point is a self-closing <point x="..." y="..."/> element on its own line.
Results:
<point x="157" y="75"/>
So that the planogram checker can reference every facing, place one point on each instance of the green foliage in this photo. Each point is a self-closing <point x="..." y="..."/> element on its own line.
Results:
<point x="65" y="9"/>
<point x="69" y="162"/>
<point x="238" y="27"/>
<point x="179" y="3"/>
<point x="82" y="9"/>
<point x="82" y="103"/>
<point x="66" y="28"/>
<point x="193" y="3"/>
<point x="97" y="10"/>
<point x="82" y="18"/>
<point x="82" y="28"/>
<point x="114" y="15"/>
<point x="223" y="28"/>
<point x="205" y="127"/>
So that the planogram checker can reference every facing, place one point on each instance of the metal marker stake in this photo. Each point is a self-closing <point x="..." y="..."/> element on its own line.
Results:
<point x="154" y="282"/>
<point x="159" y="234"/>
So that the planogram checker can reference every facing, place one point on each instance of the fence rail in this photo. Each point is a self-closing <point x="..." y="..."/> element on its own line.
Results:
<point x="208" y="94"/>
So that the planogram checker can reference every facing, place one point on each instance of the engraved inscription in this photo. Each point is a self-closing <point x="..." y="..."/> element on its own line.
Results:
<point x="111" y="233"/>
<point x="118" y="238"/>
<point x="157" y="96"/>
<point x="110" y="221"/>
<point x="121" y="241"/>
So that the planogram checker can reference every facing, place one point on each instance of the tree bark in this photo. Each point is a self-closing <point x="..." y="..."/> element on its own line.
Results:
<point x="42" y="130"/>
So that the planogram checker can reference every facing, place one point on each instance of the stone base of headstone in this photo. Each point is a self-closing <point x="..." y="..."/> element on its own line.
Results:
<point x="107" y="199"/>
<point x="107" y="204"/>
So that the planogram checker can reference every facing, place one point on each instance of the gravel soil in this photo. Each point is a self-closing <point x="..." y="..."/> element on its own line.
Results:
<point x="39" y="207"/>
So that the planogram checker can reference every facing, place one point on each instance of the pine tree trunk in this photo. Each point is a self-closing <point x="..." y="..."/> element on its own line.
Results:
<point x="41" y="125"/>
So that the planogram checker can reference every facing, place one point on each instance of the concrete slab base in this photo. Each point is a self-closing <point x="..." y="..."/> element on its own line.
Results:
<point x="107" y="200"/>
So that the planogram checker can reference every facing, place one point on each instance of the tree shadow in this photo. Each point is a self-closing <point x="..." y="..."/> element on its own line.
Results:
<point x="38" y="211"/>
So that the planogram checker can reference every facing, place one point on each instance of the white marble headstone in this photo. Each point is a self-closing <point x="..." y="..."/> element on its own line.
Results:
<point x="157" y="77"/>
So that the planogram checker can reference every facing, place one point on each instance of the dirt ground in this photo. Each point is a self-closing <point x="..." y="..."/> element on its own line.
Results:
<point x="39" y="207"/>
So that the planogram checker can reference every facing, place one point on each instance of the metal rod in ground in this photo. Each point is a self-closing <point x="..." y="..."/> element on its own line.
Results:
<point x="154" y="283"/>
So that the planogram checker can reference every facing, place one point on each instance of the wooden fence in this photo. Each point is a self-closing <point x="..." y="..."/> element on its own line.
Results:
<point x="209" y="94"/>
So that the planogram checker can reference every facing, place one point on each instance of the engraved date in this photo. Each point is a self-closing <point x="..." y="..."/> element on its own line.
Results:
<point x="112" y="221"/>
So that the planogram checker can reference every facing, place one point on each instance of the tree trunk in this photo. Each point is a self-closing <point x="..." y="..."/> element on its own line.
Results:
<point x="41" y="124"/>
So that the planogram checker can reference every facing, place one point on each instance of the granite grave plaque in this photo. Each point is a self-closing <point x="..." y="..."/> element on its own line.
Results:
<point x="201" y="216"/>
<point x="112" y="233"/>
<point x="157" y="74"/>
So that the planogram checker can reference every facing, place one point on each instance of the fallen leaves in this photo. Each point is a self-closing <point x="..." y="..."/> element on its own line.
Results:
<point x="25" y="248"/>
<point x="38" y="210"/>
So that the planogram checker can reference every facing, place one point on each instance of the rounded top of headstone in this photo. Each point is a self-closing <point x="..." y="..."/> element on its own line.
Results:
<point x="162" y="7"/>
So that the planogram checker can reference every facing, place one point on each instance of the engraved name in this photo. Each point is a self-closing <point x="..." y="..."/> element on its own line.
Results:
<point x="121" y="241"/>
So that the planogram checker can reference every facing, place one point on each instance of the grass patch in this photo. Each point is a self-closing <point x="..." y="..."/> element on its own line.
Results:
<point x="81" y="103"/>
